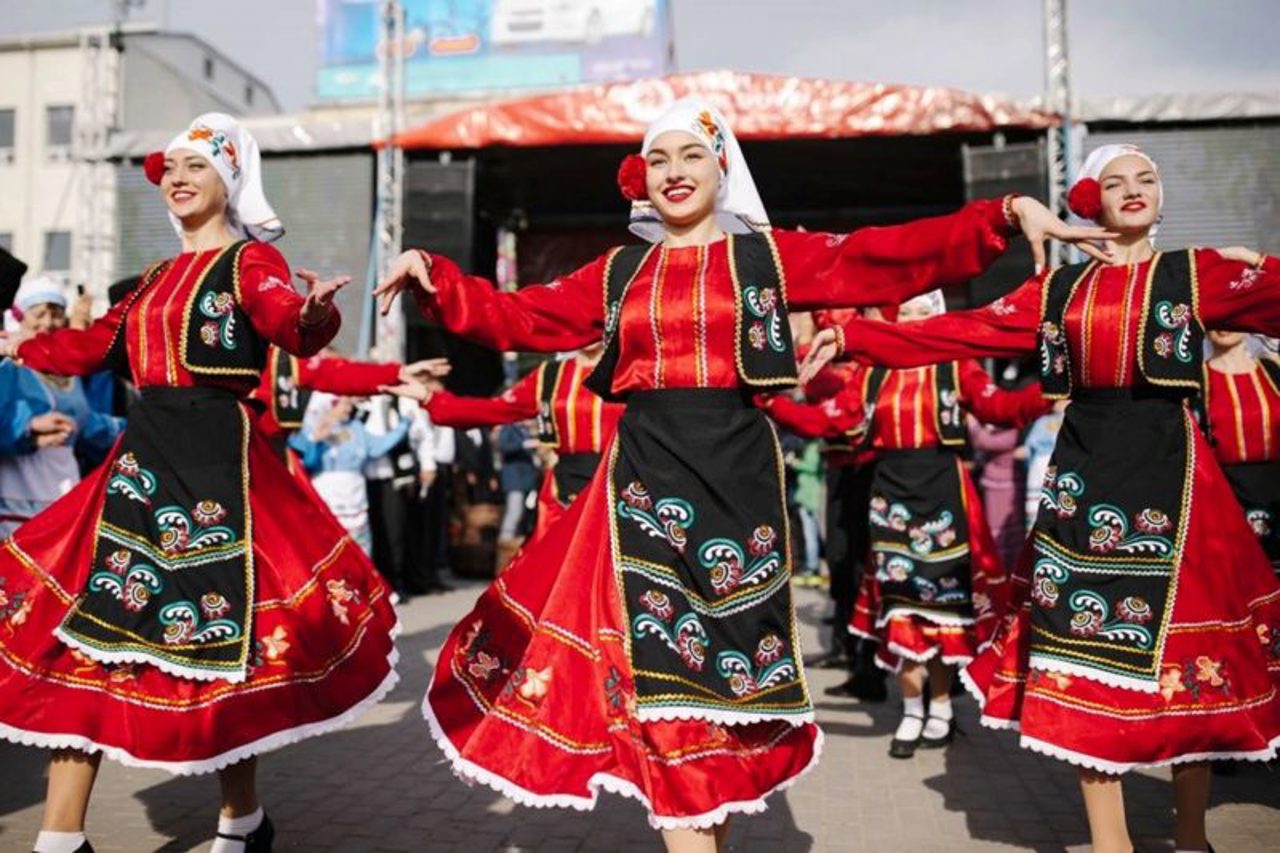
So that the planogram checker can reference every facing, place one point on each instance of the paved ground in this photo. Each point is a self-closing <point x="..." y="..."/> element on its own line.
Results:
<point x="379" y="786"/>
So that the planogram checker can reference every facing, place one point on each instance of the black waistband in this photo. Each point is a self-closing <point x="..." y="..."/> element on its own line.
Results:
<point x="689" y="398"/>
<point x="198" y="393"/>
<point x="916" y="452"/>
<point x="1144" y="392"/>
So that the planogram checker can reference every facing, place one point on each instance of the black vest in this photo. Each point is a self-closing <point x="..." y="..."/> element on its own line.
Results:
<point x="217" y="337"/>
<point x="949" y="420"/>
<point x="288" y="401"/>
<point x="763" y="350"/>
<point x="1171" y="336"/>
<point x="547" y="384"/>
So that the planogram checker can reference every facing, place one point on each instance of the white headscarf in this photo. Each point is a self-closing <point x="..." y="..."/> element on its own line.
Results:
<point x="933" y="300"/>
<point x="738" y="206"/>
<point x="233" y="153"/>
<point x="36" y="290"/>
<point x="1099" y="158"/>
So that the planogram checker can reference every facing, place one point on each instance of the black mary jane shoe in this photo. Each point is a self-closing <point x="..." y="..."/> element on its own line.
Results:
<point x="258" y="841"/>
<point x="939" y="742"/>
<point x="899" y="748"/>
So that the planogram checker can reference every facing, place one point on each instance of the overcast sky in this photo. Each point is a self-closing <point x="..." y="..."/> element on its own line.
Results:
<point x="1117" y="47"/>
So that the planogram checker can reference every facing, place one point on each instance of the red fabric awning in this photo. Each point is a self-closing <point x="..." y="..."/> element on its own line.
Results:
<point x="758" y="106"/>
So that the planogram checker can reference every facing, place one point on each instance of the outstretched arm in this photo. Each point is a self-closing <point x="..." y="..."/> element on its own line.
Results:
<point x="991" y="404"/>
<point x="565" y="314"/>
<point x="277" y="311"/>
<point x="836" y="416"/>
<point x="517" y="403"/>
<point x="1239" y="296"/>
<point x="889" y="265"/>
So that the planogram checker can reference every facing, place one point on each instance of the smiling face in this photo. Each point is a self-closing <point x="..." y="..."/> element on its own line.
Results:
<point x="682" y="178"/>
<point x="192" y="189"/>
<point x="44" y="317"/>
<point x="1130" y="195"/>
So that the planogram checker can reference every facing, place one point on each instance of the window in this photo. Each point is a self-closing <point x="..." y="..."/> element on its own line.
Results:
<point x="248" y="95"/>
<point x="57" y="251"/>
<point x="208" y="68"/>
<point x="6" y="135"/>
<point x="58" y="125"/>
<point x="6" y="241"/>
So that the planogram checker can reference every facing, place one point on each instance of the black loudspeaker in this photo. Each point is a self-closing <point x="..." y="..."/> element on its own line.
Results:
<point x="440" y="216"/>
<point x="11" y="272"/>
<point x="993" y="172"/>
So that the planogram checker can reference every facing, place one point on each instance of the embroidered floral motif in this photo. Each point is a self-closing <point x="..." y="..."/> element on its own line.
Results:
<point x="183" y="625"/>
<point x="896" y="568"/>
<point x="272" y="282"/>
<point x="339" y="597"/>
<point x="621" y="697"/>
<point x="729" y="567"/>
<point x="1110" y="532"/>
<point x="220" y="327"/>
<point x="478" y="662"/>
<point x="711" y="130"/>
<point x="483" y="666"/>
<point x="178" y="534"/>
<point x="130" y="479"/>
<point x="214" y="604"/>
<point x="1248" y="278"/>
<point x="530" y="684"/>
<point x="894" y="517"/>
<point x="1046" y="583"/>
<point x="11" y="603"/>
<point x="1171" y="682"/>
<point x="770" y="667"/>
<point x="270" y="648"/>
<point x="1261" y="522"/>
<point x="1089" y="613"/>
<point x="1053" y="343"/>
<point x="669" y="518"/>
<point x="1001" y="307"/>
<point x="1134" y="609"/>
<point x="220" y="144"/>
<point x="131" y="585"/>
<point x="1059" y="493"/>
<point x="1196" y="676"/>
<point x="940" y="532"/>
<point x="657" y="603"/>
<point x="1176" y="318"/>
<point x="766" y="330"/>
<point x="687" y="638"/>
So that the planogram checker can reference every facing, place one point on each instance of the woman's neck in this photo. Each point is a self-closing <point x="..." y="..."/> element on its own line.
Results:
<point x="1235" y="359"/>
<point x="212" y="233"/>
<point x="1131" y="249"/>
<point x="699" y="233"/>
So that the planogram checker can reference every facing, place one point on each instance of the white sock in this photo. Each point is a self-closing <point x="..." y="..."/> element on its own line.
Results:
<point x="912" y="719"/>
<point x="939" y="721"/>
<point x="235" y="826"/>
<point x="58" y="842"/>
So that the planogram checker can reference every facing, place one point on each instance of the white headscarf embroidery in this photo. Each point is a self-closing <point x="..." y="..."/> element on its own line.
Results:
<point x="233" y="153"/>
<point x="738" y="206"/>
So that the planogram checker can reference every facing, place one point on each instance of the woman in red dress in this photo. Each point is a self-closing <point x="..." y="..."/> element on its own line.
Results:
<point x="1125" y="645"/>
<point x="574" y="423"/>
<point x="647" y="644"/>
<point x="1242" y="405"/>
<point x="938" y="582"/>
<point x="165" y="612"/>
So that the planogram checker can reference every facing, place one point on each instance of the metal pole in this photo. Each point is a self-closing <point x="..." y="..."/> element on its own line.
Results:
<point x="389" y="215"/>
<point x="1057" y="72"/>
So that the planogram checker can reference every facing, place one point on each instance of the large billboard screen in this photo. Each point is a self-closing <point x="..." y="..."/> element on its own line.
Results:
<point x="464" y="46"/>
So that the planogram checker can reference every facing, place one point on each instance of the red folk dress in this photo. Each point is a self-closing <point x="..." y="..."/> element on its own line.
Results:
<point x="320" y="629"/>
<point x="534" y="693"/>
<point x="1243" y="411"/>
<point x="1217" y="670"/>
<point x="581" y="427"/>
<point x="905" y="417"/>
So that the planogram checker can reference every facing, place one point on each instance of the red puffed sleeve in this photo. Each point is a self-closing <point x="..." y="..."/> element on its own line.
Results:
<point x="991" y="404"/>
<point x="517" y="403"/>
<point x="829" y="381"/>
<point x="74" y="352"/>
<point x="346" y="376"/>
<point x="275" y="308"/>
<point x="1237" y="296"/>
<point x="1005" y="328"/>
<point x="565" y="314"/>
<point x="889" y="265"/>
<point x="834" y="417"/>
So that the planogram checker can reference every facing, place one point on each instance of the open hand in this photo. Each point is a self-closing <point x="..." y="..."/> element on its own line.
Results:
<point x="824" y="347"/>
<point x="1039" y="224"/>
<point x="10" y="341"/>
<point x="414" y="389"/>
<point x="320" y="294"/>
<point x="412" y="266"/>
<point x="425" y="370"/>
<point x="52" y="429"/>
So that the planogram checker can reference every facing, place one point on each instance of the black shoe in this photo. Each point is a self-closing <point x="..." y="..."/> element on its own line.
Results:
<point x="85" y="848"/>
<point x="939" y="742"/>
<point x="899" y="748"/>
<point x="258" y="841"/>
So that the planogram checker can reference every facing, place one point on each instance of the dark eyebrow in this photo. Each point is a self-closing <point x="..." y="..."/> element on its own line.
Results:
<point x="680" y="150"/>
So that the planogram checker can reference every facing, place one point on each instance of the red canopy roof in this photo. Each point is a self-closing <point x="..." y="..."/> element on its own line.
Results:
<point x="758" y="106"/>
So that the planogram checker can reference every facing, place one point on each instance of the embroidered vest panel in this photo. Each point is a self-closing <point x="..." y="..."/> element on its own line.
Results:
<point x="288" y="401"/>
<point x="548" y="385"/>
<point x="217" y="337"/>
<point x="1170" y="334"/>
<point x="948" y="419"/>
<point x="763" y="350"/>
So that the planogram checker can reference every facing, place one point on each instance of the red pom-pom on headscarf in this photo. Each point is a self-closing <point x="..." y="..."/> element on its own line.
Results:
<point x="1085" y="198"/>
<point x="631" y="178"/>
<point x="153" y="167"/>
